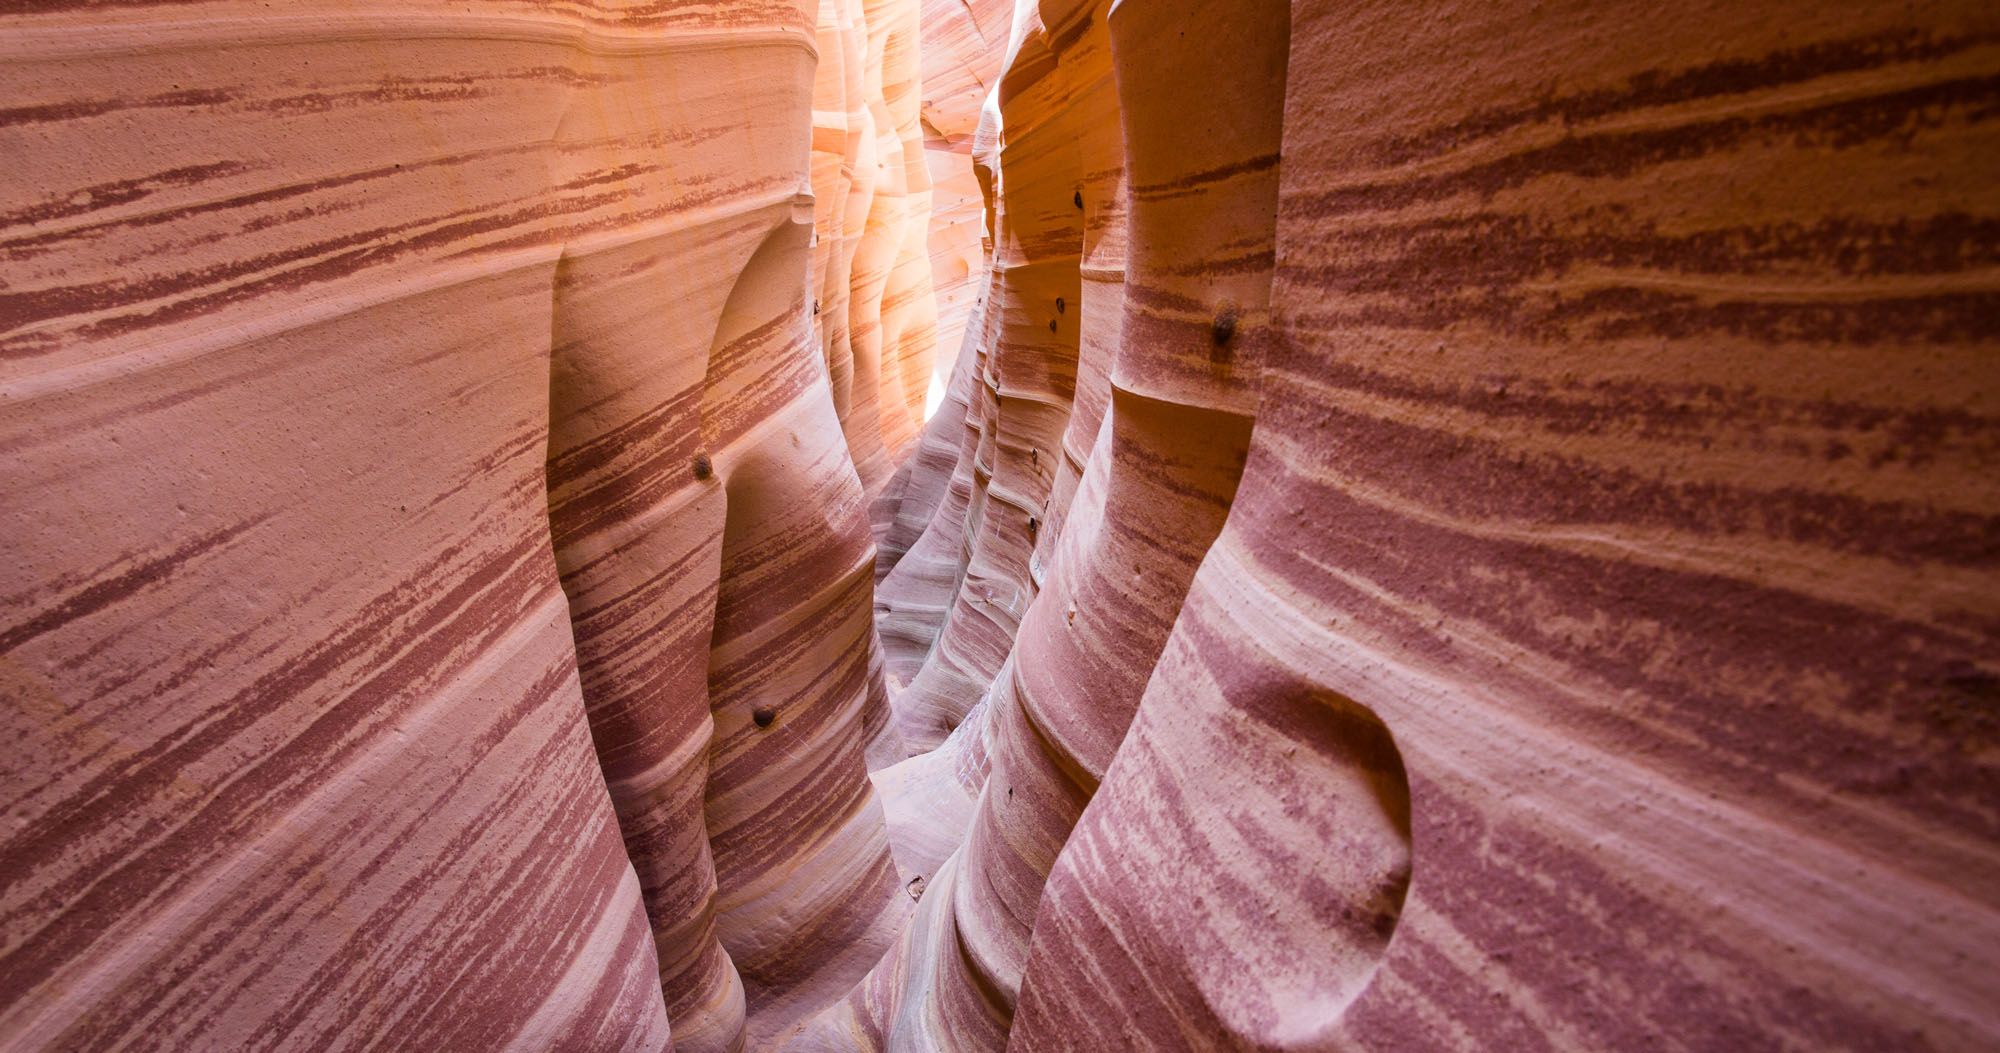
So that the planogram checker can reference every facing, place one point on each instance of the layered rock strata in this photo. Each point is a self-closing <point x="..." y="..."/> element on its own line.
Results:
<point x="1595" y="650"/>
<point x="438" y="596"/>
<point x="1447" y="528"/>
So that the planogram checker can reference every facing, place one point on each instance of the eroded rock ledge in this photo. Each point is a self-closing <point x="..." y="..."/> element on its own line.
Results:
<point x="1453" y="527"/>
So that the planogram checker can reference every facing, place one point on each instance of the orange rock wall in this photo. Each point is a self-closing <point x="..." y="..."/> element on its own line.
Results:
<point x="963" y="45"/>
<point x="1519" y="571"/>
<point x="437" y="610"/>
<point x="1443" y="527"/>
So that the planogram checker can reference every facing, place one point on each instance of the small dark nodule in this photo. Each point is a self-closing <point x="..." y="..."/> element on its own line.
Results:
<point x="1223" y="327"/>
<point x="815" y="306"/>
<point x="1060" y="305"/>
<point x="1033" y="525"/>
<point x="703" y="468"/>
<point x="1078" y="199"/>
<point x="1052" y="325"/>
<point x="763" y="715"/>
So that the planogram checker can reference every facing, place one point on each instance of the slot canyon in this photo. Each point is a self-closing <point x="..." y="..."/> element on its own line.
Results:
<point x="976" y="525"/>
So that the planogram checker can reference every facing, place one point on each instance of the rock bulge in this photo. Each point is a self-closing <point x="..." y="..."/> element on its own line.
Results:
<point x="884" y="525"/>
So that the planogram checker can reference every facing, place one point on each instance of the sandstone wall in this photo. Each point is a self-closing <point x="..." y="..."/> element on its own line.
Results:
<point x="437" y="605"/>
<point x="963" y="45"/>
<point x="1445" y="527"/>
<point x="1598" y="649"/>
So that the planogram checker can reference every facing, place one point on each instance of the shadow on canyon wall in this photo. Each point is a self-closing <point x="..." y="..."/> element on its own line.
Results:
<point x="932" y="525"/>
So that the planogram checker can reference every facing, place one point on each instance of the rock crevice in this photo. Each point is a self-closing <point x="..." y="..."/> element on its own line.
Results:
<point x="934" y="525"/>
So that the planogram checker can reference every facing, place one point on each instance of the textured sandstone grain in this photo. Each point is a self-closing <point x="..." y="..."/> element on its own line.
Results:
<point x="1598" y="650"/>
<point x="1445" y="527"/>
<point x="1588" y="490"/>
<point x="342" y="346"/>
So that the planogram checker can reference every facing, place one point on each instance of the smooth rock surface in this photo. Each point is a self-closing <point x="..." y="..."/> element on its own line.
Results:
<point x="1597" y="651"/>
<point x="934" y="525"/>
<point x="399" y="402"/>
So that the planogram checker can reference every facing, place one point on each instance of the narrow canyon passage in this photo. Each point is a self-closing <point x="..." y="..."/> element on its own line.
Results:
<point x="955" y="525"/>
